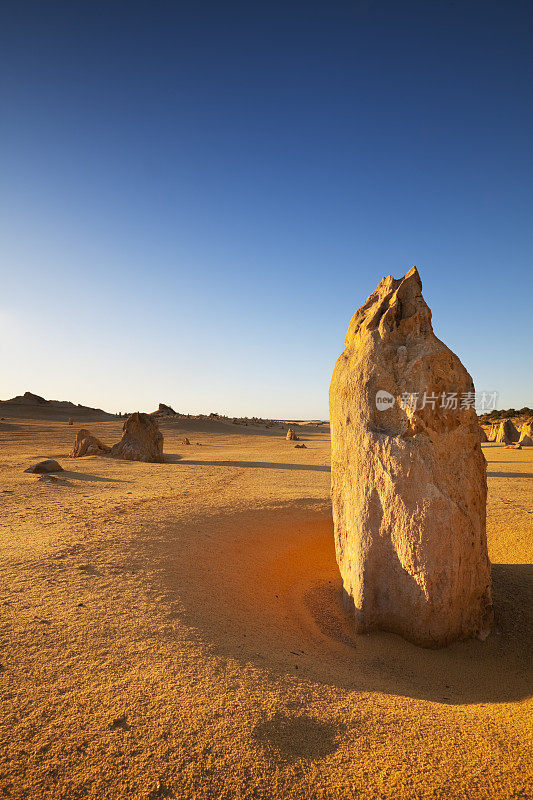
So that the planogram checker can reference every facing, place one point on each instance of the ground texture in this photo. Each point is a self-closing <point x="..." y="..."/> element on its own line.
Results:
<point x="175" y="630"/>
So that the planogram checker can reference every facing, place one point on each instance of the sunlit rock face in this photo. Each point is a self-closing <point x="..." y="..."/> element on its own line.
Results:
<point x="526" y="434"/>
<point x="506" y="433"/>
<point x="408" y="475"/>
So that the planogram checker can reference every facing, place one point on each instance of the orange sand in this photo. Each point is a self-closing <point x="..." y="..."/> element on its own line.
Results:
<point x="200" y="598"/>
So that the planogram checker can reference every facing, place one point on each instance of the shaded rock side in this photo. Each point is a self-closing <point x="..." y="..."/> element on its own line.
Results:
<point x="483" y="435"/>
<point x="85" y="444"/>
<point x="141" y="440"/>
<point x="408" y="483"/>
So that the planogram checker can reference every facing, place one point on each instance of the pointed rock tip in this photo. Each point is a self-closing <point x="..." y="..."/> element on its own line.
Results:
<point x="413" y="273"/>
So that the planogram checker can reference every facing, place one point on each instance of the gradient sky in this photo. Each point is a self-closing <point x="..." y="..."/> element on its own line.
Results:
<point x="196" y="197"/>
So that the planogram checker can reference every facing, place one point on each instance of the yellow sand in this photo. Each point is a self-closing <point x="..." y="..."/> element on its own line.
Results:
<point x="200" y="598"/>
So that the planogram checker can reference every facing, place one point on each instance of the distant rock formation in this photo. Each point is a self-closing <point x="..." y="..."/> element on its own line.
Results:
<point x="70" y="421"/>
<point x="506" y="433"/>
<point x="185" y="441"/>
<point x="85" y="444"/>
<point x="50" y="465"/>
<point x="291" y="436"/>
<point x="141" y="440"/>
<point x="164" y="411"/>
<point x="526" y="434"/>
<point x="408" y="482"/>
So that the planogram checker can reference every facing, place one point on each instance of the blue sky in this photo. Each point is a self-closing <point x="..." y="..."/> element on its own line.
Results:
<point x="197" y="197"/>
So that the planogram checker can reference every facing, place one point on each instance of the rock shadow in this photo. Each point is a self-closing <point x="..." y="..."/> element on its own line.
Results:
<point x="299" y="737"/>
<point x="263" y="587"/>
<point x="509" y="474"/>
<point x="87" y="476"/>
<point x="179" y="459"/>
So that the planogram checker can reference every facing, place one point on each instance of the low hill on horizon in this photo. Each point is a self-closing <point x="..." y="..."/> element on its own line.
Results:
<point x="33" y="405"/>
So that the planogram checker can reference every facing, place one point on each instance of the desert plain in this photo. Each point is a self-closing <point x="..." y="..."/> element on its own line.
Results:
<point x="176" y="630"/>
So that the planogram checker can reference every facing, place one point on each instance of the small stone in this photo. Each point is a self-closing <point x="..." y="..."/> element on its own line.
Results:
<point x="50" y="465"/>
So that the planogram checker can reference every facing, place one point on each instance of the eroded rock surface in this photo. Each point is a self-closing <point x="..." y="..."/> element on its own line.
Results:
<point x="141" y="439"/>
<point x="408" y="482"/>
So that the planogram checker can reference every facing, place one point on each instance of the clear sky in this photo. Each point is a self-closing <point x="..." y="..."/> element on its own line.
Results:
<point x="196" y="197"/>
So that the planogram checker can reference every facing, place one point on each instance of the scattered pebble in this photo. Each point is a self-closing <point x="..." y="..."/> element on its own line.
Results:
<point x="119" y="723"/>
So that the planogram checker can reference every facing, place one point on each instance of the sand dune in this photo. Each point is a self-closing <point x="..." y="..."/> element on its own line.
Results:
<point x="179" y="625"/>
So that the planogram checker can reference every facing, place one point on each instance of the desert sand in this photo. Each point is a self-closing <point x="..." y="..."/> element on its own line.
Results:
<point x="176" y="630"/>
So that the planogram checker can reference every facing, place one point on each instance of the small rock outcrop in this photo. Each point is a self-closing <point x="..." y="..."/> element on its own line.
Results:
<point x="43" y="467"/>
<point x="291" y="436"/>
<point x="141" y="440"/>
<point x="185" y="441"/>
<point x="34" y="399"/>
<point x="85" y="444"/>
<point x="409" y="481"/>
<point x="300" y="447"/>
<point x="506" y="433"/>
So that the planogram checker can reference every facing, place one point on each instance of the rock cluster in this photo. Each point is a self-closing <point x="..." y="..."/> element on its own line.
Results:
<point x="291" y="436"/>
<point x="408" y="482"/>
<point x="141" y="441"/>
